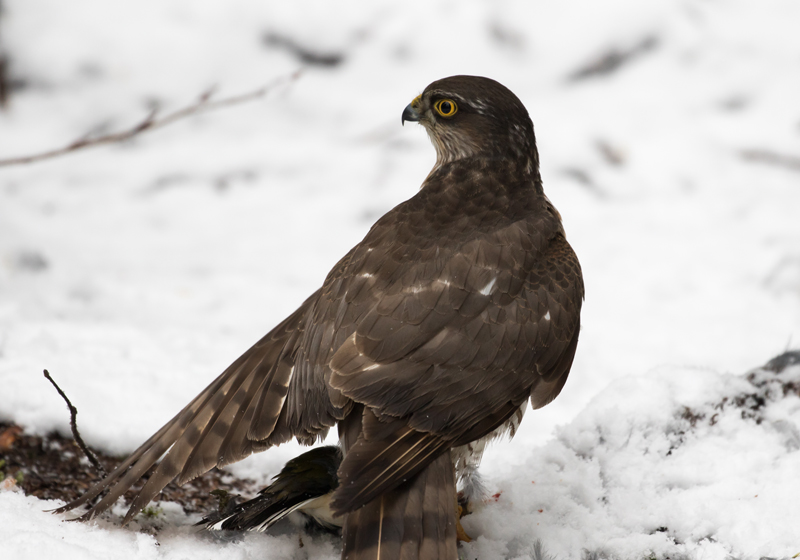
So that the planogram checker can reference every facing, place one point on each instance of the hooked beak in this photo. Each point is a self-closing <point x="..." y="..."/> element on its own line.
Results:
<point x="410" y="113"/>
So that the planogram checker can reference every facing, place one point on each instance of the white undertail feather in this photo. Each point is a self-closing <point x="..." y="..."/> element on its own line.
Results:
<point x="467" y="458"/>
<point x="472" y="487"/>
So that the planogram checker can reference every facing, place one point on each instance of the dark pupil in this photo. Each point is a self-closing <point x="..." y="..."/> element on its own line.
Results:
<point x="445" y="107"/>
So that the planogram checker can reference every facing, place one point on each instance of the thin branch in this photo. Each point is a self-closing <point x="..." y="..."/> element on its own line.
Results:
<point x="3" y="80"/>
<point x="204" y="104"/>
<point x="73" y="413"/>
<point x="772" y="158"/>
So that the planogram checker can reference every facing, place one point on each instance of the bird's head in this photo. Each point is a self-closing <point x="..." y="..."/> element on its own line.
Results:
<point x="472" y="116"/>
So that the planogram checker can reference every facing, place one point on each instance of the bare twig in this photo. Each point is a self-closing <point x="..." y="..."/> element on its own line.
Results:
<point x="614" y="59"/>
<point x="773" y="158"/>
<point x="3" y="67"/>
<point x="203" y="104"/>
<point x="3" y="80"/>
<point x="73" y="413"/>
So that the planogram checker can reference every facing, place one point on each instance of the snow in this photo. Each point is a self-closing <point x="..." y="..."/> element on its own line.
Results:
<point x="663" y="464"/>
<point x="136" y="272"/>
<point x="28" y="532"/>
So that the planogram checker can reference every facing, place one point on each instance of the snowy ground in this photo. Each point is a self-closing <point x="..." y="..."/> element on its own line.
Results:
<point x="135" y="273"/>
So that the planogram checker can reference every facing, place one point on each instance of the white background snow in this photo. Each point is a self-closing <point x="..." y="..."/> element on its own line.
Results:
<point x="136" y="272"/>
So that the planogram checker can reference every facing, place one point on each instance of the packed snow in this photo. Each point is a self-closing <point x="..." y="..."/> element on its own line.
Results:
<point x="669" y="135"/>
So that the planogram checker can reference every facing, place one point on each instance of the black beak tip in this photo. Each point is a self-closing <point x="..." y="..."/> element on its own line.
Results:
<point x="409" y="114"/>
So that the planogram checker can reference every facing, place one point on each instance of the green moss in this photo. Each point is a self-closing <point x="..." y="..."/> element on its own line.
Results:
<point x="152" y="512"/>
<point x="224" y="499"/>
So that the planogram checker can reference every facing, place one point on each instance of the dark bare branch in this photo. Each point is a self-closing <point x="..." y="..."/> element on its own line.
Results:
<point x="614" y="59"/>
<point x="787" y="161"/>
<point x="3" y="80"/>
<point x="73" y="413"/>
<point x="204" y="104"/>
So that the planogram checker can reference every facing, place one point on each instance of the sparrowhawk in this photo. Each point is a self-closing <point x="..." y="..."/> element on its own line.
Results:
<point x="425" y="340"/>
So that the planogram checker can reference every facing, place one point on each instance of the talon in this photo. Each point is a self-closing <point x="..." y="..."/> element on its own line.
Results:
<point x="461" y="534"/>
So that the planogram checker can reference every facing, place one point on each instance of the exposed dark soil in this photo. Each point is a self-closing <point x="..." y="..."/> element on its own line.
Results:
<point x="54" y="467"/>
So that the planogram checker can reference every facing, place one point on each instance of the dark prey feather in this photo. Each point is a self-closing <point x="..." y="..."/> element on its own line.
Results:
<point x="302" y="485"/>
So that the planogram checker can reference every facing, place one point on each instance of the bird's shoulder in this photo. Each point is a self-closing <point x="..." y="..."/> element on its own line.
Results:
<point x="475" y="237"/>
<point x="460" y="206"/>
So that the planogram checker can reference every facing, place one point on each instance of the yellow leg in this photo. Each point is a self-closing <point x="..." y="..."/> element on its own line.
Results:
<point x="461" y="534"/>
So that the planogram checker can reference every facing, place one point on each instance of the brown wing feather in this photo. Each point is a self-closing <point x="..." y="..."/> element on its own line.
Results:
<point x="385" y="454"/>
<point x="212" y="429"/>
<point x="141" y="459"/>
<point x="509" y="335"/>
<point x="491" y="350"/>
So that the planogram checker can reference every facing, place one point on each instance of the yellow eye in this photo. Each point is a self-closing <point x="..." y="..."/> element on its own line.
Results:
<point x="446" y="107"/>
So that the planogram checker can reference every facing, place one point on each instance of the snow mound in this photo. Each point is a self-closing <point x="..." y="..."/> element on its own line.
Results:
<point x="678" y="463"/>
<point x="27" y="532"/>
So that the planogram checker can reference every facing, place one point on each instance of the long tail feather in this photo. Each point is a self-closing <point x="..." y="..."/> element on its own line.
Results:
<point x="414" y="521"/>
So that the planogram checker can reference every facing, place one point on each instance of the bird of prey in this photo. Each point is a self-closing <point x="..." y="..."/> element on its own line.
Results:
<point x="426" y="339"/>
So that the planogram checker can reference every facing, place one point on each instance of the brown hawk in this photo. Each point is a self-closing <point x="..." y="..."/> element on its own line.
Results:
<point x="425" y="340"/>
